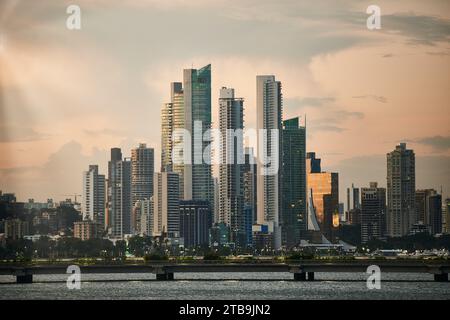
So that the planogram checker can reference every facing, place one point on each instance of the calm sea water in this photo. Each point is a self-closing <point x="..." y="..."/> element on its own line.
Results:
<point x="241" y="286"/>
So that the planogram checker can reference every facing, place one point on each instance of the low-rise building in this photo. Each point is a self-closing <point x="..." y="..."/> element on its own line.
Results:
<point x="87" y="229"/>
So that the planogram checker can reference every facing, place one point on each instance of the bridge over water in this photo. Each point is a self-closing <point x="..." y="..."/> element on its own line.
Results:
<point x="301" y="270"/>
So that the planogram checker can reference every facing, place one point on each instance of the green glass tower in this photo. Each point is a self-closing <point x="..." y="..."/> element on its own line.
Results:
<point x="293" y="215"/>
<point x="198" y="182"/>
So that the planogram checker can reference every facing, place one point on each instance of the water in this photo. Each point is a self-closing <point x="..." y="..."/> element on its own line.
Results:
<point x="232" y="286"/>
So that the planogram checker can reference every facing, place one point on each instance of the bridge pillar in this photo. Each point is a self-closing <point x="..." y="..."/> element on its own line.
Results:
<point x="161" y="276"/>
<point x="164" y="276"/>
<point x="300" y="276"/>
<point x="443" y="277"/>
<point x="310" y="276"/>
<point x="25" y="278"/>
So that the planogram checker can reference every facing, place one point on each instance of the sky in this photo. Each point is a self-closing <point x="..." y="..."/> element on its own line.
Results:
<point x="68" y="96"/>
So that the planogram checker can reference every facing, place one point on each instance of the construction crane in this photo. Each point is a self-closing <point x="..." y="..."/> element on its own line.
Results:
<point x="75" y="195"/>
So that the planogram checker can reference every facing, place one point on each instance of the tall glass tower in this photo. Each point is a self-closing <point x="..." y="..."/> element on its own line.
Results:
<point x="198" y="183"/>
<point x="293" y="218"/>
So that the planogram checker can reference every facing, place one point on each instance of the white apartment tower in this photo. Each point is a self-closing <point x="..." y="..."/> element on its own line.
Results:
<point x="269" y="118"/>
<point x="166" y="204"/>
<point x="93" y="206"/>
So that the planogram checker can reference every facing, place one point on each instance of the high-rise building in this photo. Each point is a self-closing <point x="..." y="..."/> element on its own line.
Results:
<point x="250" y="182"/>
<point x="347" y="217"/>
<point x="147" y="219"/>
<point x="195" y="222"/>
<point x="119" y="194"/>
<point x="172" y="119"/>
<point x="429" y="210"/>
<point x="142" y="170"/>
<point x="189" y="110"/>
<point x="166" y="201"/>
<point x="248" y="225"/>
<point x="401" y="184"/>
<point x="216" y="201"/>
<point x="294" y="216"/>
<point x="231" y="191"/>
<point x="324" y="192"/>
<point x="269" y="118"/>
<point x="198" y="184"/>
<point x="446" y="209"/>
<point x="373" y="212"/>
<point x="356" y="201"/>
<point x="93" y="205"/>
<point x="312" y="163"/>
<point x="435" y="217"/>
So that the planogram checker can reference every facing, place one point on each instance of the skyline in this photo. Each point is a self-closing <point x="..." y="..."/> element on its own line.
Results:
<point x="65" y="98"/>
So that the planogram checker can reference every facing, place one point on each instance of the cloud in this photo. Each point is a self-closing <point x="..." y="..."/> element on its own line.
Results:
<point x="324" y="127"/>
<point x="61" y="174"/>
<point x="418" y="29"/>
<point x="106" y="131"/>
<point x="438" y="143"/>
<point x="308" y="101"/>
<point x="344" y="114"/>
<point x="12" y="133"/>
<point x="439" y="53"/>
<point x="380" y="99"/>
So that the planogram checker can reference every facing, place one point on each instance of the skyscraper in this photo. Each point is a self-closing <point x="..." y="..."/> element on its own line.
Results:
<point x="313" y="163"/>
<point x="198" y="183"/>
<point x="93" y="206"/>
<point x="401" y="184"/>
<point x="435" y="214"/>
<point x="166" y="201"/>
<point x="429" y="209"/>
<point x="324" y="187"/>
<point x="142" y="169"/>
<point x="250" y="182"/>
<point x="269" y="118"/>
<point x="293" y="218"/>
<point x="147" y="218"/>
<point x="172" y="118"/>
<point x="356" y="201"/>
<point x="119" y="194"/>
<point x="190" y="110"/>
<point x="446" y="210"/>
<point x="231" y="192"/>
<point x="373" y="212"/>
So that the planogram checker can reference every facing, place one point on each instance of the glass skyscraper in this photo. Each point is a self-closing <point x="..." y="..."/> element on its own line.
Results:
<point x="293" y="217"/>
<point x="198" y="183"/>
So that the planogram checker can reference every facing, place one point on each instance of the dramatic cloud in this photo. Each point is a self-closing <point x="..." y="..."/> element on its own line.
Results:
<point x="438" y="143"/>
<point x="418" y="29"/>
